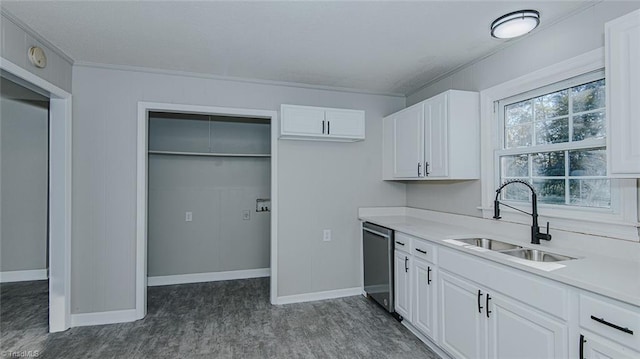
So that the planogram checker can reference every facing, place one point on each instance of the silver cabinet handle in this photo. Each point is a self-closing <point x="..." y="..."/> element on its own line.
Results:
<point x="419" y="164"/>
<point x="322" y="127"/>
<point x="328" y="127"/>
<point x="426" y="168"/>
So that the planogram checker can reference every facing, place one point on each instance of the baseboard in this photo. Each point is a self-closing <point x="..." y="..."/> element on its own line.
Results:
<point x="23" y="275"/>
<point x="207" y="277"/>
<point x="435" y="348"/>
<point x="100" y="318"/>
<point x="310" y="297"/>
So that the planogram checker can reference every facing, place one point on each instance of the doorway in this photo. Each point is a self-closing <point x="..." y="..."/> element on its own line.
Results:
<point x="212" y="142"/>
<point x="24" y="201"/>
<point x="58" y="209"/>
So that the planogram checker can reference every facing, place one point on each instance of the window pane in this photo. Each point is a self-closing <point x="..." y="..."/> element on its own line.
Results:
<point x="552" y="105"/>
<point x="516" y="192"/>
<point x="590" y="125"/>
<point x="518" y="136"/>
<point x="518" y="113"/>
<point x="552" y="131"/>
<point x="588" y="96"/>
<point x="547" y="164"/>
<point x="515" y="166"/>
<point x="590" y="192"/>
<point x="592" y="162"/>
<point x="549" y="190"/>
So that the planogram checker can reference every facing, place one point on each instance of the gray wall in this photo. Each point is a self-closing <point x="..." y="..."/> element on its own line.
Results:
<point x="23" y="184"/>
<point x="16" y="41"/>
<point x="321" y="184"/>
<point x="215" y="189"/>
<point x="571" y="37"/>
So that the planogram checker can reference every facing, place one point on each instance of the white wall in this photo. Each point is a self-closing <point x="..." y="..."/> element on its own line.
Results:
<point x="321" y="184"/>
<point x="23" y="184"/>
<point x="571" y="37"/>
<point x="16" y="40"/>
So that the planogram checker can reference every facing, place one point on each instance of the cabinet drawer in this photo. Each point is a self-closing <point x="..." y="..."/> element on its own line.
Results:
<point x="525" y="287"/>
<point x="423" y="250"/>
<point x="402" y="242"/>
<point x="613" y="320"/>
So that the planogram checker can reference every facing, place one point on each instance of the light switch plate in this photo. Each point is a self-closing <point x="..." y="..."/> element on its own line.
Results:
<point x="188" y="216"/>
<point x="326" y="235"/>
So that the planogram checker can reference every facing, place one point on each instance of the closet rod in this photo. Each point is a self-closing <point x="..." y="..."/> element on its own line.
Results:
<point x="208" y="154"/>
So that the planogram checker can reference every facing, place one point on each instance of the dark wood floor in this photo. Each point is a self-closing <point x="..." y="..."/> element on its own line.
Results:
<point x="230" y="319"/>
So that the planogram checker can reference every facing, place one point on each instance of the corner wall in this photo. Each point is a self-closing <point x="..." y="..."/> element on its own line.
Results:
<point x="571" y="37"/>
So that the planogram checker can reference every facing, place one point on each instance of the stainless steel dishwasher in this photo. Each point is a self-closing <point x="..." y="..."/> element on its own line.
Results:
<point x="377" y="244"/>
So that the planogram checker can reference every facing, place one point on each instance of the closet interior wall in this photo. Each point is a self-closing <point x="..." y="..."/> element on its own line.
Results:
<point x="212" y="169"/>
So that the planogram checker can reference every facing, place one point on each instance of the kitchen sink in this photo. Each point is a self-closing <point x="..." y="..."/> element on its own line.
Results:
<point x="536" y="255"/>
<point x="491" y="244"/>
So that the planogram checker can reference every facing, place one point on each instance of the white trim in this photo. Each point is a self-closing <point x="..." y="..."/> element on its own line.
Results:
<point x="101" y="318"/>
<point x="60" y="173"/>
<point x="311" y="297"/>
<point x="231" y="78"/>
<point x="26" y="28"/>
<point x="207" y="277"/>
<point x="23" y="275"/>
<point x="141" y="195"/>
<point x="621" y="226"/>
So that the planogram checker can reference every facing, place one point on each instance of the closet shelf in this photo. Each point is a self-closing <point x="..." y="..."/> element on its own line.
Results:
<point x="209" y="154"/>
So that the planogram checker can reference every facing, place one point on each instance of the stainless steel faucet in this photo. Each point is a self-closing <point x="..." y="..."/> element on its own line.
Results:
<point x="536" y="236"/>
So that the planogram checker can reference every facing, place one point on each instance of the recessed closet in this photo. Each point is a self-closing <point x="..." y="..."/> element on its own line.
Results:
<point x="209" y="183"/>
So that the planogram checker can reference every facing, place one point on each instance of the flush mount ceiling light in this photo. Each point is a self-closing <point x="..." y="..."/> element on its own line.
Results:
<point x="515" y="24"/>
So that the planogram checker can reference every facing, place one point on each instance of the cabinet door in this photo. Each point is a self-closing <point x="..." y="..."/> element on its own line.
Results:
<point x="408" y="150"/>
<point x="424" y="304"/>
<point x="462" y="327"/>
<point x="595" y="347"/>
<point x="518" y="331"/>
<point x="436" y="134"/>
<point x="299" y="120"/>
<point x="402" y="285"/>
<point x="622" y="66"/>
<point x="345" y="123"/>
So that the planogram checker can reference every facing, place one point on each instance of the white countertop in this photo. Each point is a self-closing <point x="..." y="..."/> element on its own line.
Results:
<point x="612" y="277"/>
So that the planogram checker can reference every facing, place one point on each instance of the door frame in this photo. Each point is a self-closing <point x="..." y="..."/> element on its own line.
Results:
<point x="142" y="186"/>
<point x="60" y="163"/>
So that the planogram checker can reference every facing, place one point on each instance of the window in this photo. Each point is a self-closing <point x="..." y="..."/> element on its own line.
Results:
<point x="548" y="127"/>
<point x="555" y="138"/>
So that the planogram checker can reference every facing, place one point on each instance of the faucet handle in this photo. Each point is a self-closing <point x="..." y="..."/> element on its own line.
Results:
<point x="547" y="236"/>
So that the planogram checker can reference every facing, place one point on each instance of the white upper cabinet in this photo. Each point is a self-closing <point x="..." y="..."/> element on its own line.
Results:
<point x="407" y="154"/>
<point x="319" y="123"/>
<point x="438" y="138"/>
<point x="622" y="67"/>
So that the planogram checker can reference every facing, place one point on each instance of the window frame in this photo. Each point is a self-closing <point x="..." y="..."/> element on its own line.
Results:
<point x="620" y="221"/>
<point x="551" y="147"/>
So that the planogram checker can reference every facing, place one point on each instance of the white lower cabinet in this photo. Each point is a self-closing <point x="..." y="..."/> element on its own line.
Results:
<point x="480" y="323"/>
<point x="402" y="284"/>
<point x="608" y="329"/>
<point x="424" y="304"/>
<point x="462" y="328"/>
<point x="595" y="347"/>
<point x="518" y="331"/>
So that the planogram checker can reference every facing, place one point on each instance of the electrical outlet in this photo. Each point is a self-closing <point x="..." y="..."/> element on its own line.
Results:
<point x="188" y="216"/>
<point x="326" y="235"/>
<point x="246" y="215"/>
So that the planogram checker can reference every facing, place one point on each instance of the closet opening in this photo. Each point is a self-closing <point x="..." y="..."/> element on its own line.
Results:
<point x="209" y="203"/>
<point x="24" y="208"/>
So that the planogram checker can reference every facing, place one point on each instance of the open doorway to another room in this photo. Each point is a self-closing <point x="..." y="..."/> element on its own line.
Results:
<point x="24" y="206"/>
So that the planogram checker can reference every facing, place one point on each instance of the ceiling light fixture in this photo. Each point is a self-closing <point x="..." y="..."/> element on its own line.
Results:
<point x="515" y="24"/>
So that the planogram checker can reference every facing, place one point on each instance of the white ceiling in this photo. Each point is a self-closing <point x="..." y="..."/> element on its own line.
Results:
<point x="386" y="47"/>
